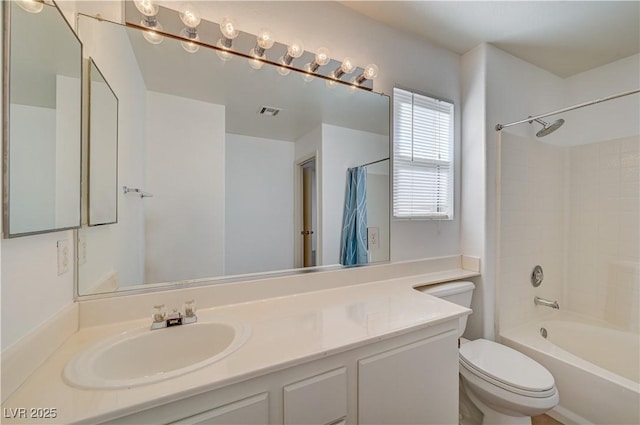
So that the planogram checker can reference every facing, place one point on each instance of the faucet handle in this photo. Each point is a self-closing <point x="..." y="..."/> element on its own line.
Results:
<point x="189" y="308"/>
<point x="159" y="314"/>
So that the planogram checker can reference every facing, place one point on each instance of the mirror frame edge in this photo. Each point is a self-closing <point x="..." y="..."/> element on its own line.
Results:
<point x="6" y="52"/>
<point x="86" y="173"/>
<point x="6" y="44"/>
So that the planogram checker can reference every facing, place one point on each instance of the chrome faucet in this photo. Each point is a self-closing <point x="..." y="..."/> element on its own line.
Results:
<point x="546" y="303"/>
<point x="163" y="320"/>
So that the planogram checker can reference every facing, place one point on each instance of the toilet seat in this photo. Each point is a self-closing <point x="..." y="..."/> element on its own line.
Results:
<point x="507" y="368"/>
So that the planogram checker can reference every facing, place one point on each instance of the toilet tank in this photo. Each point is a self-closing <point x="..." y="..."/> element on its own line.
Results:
<point x="456" y="292"/>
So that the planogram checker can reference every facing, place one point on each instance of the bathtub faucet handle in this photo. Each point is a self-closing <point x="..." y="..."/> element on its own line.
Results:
<point x="546" y="303"/>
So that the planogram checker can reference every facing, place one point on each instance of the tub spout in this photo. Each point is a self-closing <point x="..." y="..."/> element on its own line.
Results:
<point x="546" y="303"/>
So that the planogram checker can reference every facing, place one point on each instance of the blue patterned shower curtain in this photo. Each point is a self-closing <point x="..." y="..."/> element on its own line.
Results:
<point x="354" y="225"/>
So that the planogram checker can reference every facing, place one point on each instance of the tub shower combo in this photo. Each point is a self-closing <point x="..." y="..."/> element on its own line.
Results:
<point x="581" y="321"/>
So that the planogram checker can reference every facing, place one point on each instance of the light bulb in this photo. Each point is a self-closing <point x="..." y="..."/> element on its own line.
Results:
<point x="265" y="38"/>
<point x="151" y="34"/>
<point x="322" y="56"/>
<point x="370" y="71"/>
<point x="229" y="28"/>
<point x="332" y="82"/>
<point x="31" y="6"/>
<point x="295" y="49"/>
<point x="308" y="75"/>
<point x="189" y="46"/>
<point x="281" y="69"/>
<point x="190" y="16"/>
<point x="255" y="63"/>
<point x="347" y="66"/>
<point x="223" y="54"/>
<point x="147" y="7"/>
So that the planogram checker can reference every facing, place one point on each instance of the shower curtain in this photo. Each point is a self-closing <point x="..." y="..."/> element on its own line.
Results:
<point x="354" y="225"/>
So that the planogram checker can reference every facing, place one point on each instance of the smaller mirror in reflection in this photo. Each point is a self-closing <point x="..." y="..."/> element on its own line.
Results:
<point x="103" y="149"/>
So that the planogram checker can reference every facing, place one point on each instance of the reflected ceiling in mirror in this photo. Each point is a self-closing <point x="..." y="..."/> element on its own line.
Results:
<point x="226" y="182"/>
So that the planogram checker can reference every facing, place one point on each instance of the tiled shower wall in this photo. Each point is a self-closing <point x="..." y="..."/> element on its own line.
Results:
<point x="532" y="213"/>
<point x="604" y="231"/>
<point x="574" y="211"/>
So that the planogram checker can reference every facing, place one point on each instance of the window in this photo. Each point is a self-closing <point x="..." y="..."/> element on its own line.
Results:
<point x="422" y="156"/>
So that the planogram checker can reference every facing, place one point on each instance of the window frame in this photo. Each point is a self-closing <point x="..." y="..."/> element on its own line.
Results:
<point x="448" y="215"/>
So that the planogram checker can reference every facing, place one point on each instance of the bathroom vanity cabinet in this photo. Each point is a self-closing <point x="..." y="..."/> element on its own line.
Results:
<point x="406" y="379"/>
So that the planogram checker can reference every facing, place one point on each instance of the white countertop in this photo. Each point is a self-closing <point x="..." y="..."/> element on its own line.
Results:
<point x="286" y="331"/>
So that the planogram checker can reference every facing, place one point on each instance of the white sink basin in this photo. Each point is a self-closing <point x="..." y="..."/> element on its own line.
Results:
<point x="142" y="356"/>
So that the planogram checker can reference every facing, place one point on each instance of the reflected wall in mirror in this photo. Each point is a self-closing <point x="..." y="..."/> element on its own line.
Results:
<point x="227" y="179"/>
<point x="42" y="104"/>
<point x="103" y="149"/>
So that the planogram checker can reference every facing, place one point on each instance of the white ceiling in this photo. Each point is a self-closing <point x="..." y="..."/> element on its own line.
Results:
<point x="563" y="37"/>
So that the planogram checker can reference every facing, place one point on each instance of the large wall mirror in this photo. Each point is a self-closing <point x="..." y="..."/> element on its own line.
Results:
<point x="228" y="170"/>
<point x="42" y="108"/>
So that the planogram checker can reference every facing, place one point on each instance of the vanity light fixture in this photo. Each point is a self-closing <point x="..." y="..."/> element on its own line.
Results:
<point x="264" y="42"/>
<point x="256" y="57"/>
<point x="294" y="51"/>
<point x="370" y="72"/>
<point x="149" y="9"/>
<point x="346" y="67"/>
<point x="322" y="58"/>
<point x="190" y="16"/>
<point x="31" y="6"/>
<point x="229" y="30"/>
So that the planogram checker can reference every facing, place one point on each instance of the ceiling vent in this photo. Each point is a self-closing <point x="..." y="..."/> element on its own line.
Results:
<point x="268" y="111"/>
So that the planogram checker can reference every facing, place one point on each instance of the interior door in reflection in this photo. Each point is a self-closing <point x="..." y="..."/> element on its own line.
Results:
<point x="309" y="213"/>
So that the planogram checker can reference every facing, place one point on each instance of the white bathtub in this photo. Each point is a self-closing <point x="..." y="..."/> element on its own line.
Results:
<point x="596" y="367"/>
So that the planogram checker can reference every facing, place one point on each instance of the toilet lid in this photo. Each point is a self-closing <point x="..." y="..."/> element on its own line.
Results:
<point x="506" y="365"/>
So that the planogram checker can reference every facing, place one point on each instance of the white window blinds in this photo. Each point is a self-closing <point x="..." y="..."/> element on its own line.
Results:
<point x="422" y="156"/>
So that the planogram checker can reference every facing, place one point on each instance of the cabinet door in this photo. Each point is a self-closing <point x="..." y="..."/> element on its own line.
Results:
<point x="412" y="384"/>
<point x="319" y="400"/>
<point x="249" y="411"/>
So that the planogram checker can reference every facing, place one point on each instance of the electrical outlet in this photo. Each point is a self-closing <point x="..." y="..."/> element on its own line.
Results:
<point x="64" y="256"/>
<point x="373" y="238"/>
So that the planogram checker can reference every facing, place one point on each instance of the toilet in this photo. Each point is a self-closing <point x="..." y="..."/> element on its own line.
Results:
<point x="504" y="384"/>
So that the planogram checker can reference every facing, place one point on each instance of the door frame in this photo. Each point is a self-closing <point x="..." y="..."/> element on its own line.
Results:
<point x="297" y="207"/>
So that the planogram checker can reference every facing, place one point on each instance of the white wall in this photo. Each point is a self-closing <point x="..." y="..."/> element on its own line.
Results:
<point x="378" y="211"/>
<point x="342" y="148"/>
<point x="67" y="156"/>
<point x="605" y="121"/>
<point x="33" y="189"/>
<point x="31" y="289"/>
<point x="121" y="243"/>
<point x="184" y="220"/>
<point x="472" y="179"/>
<point x="259" y="222"/>
<point x="513" y="89"/>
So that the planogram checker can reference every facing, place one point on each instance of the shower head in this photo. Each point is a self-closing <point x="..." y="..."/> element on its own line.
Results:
<point x="548" y="128"/>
